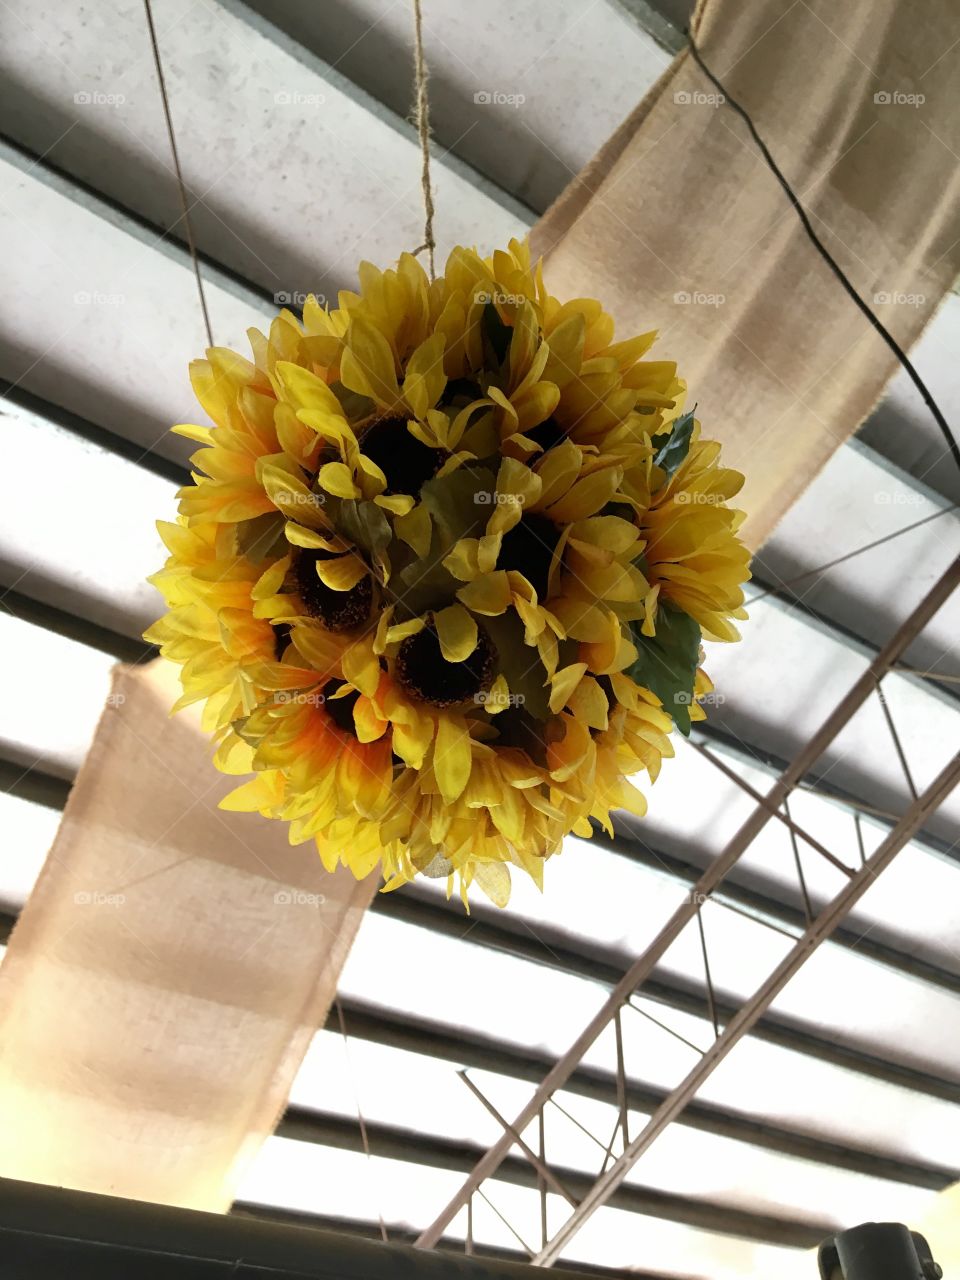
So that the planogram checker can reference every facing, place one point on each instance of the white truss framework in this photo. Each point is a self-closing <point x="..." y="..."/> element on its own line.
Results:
<point x="819" y="927"/>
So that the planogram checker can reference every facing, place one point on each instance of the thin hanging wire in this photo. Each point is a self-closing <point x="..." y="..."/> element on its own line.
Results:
<point x="184" y="203"/>
<point x="868" y="546"/>
<point x="829" y="259"/>
<point x="848" y="287"/>
<point x="363" y="1124"/>
<point x="423" y="129"/>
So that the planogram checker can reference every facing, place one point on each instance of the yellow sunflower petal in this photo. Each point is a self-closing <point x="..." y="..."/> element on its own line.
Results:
<point x="489" y="595"/>
<point x="337" y="478"/>
<point x="341" y="573"/>
<point x="367" y="365"/>
<point x="452" y="757"/>
<point x="457" y="633"/>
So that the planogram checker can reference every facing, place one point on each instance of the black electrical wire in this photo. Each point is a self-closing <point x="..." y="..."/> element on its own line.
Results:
<point x="828" y="258"/>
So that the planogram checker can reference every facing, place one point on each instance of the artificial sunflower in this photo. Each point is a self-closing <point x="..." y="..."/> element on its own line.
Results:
<point x="444" y="570"/>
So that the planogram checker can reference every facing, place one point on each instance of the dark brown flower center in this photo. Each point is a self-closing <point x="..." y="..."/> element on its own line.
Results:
<point x="340" y="710"/>
<point x="335" y="610"/>
<point x="528" y="548"/>
<point x="406" y="462"/>
<point x="547" y="434"/>
<point x="423" y="671"/>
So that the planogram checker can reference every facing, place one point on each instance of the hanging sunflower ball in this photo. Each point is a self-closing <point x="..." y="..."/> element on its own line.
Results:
<point x="443" y="571"/>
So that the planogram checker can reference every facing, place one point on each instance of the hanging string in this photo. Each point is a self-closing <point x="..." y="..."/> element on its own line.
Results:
<point x="184" y="203"/>
<point x="423" y="130"/>
<point x="868" y="546"/>
<point x="356" y="1094"/>
<point x="828" y="258"/>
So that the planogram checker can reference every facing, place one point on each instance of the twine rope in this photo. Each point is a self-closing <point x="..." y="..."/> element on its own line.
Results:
<point x="420" y="77"/>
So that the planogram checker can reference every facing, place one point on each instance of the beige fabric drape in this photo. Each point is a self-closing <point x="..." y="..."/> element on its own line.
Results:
<point x="679" y="224"/>
<point x="167" y="973"/>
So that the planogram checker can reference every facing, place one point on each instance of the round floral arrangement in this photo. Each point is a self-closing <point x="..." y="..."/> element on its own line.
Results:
<point x="443" y="571"/>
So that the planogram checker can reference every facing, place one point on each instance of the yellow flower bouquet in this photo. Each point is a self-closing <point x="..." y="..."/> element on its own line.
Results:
<point x="443" y="571"/>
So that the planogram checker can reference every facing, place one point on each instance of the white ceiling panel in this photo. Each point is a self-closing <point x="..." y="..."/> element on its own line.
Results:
<point x="252" y="119"/>
<point x="112" y="332"/>
<point x="89" y="545"/>
<point x="51" y="708"/>
<point x="500" y="78"/>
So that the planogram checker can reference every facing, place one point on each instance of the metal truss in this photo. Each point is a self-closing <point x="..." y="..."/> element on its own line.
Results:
<point x="818" y="927"/>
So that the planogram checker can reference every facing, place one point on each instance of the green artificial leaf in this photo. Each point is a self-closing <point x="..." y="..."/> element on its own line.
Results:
<point x="520" y="664"/>
<point x="421" y="583"/>
<point x="673" y="446"/>
<point x="452" y="501"/>
<point x="262" y="537"/>
<point x="496" y="335"/>
<point x="355" y="406"/>
<point x="666" y="663"/>
<point x="366" y="525"/>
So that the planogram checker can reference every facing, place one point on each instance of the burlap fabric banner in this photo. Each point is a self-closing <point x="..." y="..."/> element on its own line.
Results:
<point x="679" y="224"/>
<point x="167" y="973"/>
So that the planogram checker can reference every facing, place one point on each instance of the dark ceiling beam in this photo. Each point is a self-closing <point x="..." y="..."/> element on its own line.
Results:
<point x="74" y="627"/>
<point x="594" y="962"/>
<point x="402" y="1234"/>
<point x="466" y="1047"/>
<point x="394" y="1143"/>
